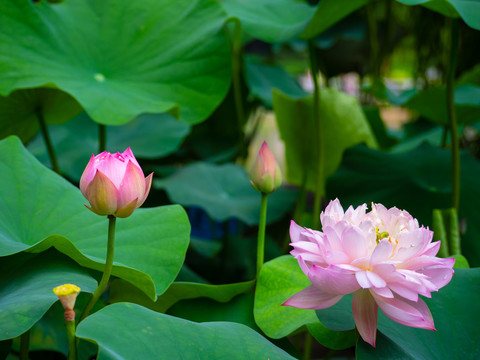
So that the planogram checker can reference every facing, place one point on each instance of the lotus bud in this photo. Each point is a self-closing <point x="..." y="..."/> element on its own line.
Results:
<point x="265" y="175"/>
<point x="114" y="184"/>
<point x="67" y="294"/>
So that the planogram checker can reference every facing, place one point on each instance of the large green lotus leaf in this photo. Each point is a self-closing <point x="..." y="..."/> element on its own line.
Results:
<point x="159" y="336"/>
<point x="39" y="209"/>
<point x="329" y="13"/>
<point x="122" y="291"/>
<point x="456" y="322"/>
<point x="18" y="111"/>
<point x="26" y="284"/>
<point x="261" y="79"/>
<point x="149" y="136"/>
<point x="417" y="181"/>
<point x="279" y="279"/>
<point x="343" y="124"/>
<point x="468" y="10"/>
<point x="431" y="103"/>
<point x="119" y="59"/>
<point x="270" y="20"/>
<point x="224" y="192"/>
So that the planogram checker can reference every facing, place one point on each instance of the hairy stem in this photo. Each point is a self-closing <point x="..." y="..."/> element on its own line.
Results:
<point x="261" y="233"/>
<point x="108" y="269"/>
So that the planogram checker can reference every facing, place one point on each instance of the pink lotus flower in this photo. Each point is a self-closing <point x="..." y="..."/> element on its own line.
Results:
<point x="265" y="175"/>
<point x="382" y="256"/>
<point x="114" y="184"/>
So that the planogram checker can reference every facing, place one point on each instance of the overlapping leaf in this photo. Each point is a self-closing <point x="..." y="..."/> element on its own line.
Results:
<point x="26" y="285"/>
<point x="119" y="59"/>
<point x="179" y="339"/>
<point x="39" y="209"/>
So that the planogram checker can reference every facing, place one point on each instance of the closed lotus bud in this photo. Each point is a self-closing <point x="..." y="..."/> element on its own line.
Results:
<point x="114" y="184"/>
<point x="265" y="175"/>
<point x="67" y="294"/>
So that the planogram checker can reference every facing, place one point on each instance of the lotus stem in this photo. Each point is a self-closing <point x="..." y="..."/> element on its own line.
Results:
<point x="452" y="118"/>
<point x="24" y="345"/>
<point x="102" y="138"/>
<point x="307" y="346"/>
<point x="108" y="269"/>
<point x="48" y="142"/>
<point x="261" y="233"/>
<point x="72" y="344"/>
<point x="318" y="126"/>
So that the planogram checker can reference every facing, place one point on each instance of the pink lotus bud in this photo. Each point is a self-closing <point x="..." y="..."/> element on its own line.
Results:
<point x="265" y="175"/>
<point x="114" y="184"/>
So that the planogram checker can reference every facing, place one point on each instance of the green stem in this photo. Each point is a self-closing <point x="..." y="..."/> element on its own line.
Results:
<point x="108" y="269"/>
<point x="24" y="345"/>
<point x="236" y="51"/>
<point x="454" y="244"/>
<point x="452" y="62"/>
<point x="261" y="233"/>
<point x="373" y="37"/>
<point x="102" y="138"/>
<point x="318" y="127"/>
<point x="72" y="345"/>
<point x="307" y="346"/>
<point x="48" y="142"/>
<point x="440" y="233"/>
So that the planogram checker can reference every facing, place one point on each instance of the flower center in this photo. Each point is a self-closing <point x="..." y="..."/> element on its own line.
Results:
<point x="381" y="235"/>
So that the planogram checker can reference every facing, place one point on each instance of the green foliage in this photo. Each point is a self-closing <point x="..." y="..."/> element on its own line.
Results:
<point x="179" y="338"/>
<point x="149" y="136"/>
<point x="26" y="288"/>
<point x="117" y="72"/>
<point x="343" y="125"/>
<point x="224" y="192"/>
<point x="34" y="218"/>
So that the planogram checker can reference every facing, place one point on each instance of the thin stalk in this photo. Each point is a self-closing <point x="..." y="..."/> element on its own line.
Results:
<point x="444" y="137"/>
<point x="108" y="269"/>
<point x="48" y="142"/>
<point x="102" y="138"/>
<point x="24" y="345"/>
<point x="318" y="127"/>
<point x="236" y="52"/>
<point x="373" y="38"/>
<point x="454" y="238"/>
<point x="72" y="344"/>
<point x="307" y="346"/>
<point x="452" y="118"/>
<point x="261" y="233"/>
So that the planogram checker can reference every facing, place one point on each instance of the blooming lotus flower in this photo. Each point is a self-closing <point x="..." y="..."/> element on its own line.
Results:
<point x="384" y="257"/>
<point x="265" y="175"/>
<point x="114" y="184"/>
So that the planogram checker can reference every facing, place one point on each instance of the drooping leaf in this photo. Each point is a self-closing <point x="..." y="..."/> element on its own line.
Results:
<point x="119" y="59"/>
<point x="270" y="20"/>
<point x="329" y="13"/>
<point x="149" y="136"/>
<point x="26" y="288"/>
<point x="417" y="181"/>
<point x="34" y="217"/>
<point x="122" y="291"/>
<point x="19" y="111"/>
<point x="343" y="125"/>
<point x="456" y="322"/>
<point x="179" y="338"/>
<point x="279" y="279"/>
<point x="468" y="10"/>
<point x="224" y="192"/>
